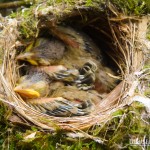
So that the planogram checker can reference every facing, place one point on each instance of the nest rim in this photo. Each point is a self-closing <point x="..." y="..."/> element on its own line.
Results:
<point x="66" y="123"/>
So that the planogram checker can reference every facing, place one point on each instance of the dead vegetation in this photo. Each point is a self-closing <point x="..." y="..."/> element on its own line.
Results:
<point x="121" y="33"/>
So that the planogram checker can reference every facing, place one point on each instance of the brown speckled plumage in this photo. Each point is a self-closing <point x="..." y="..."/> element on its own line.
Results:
<point x="66" y="101"/>
<point x="70" y="50"/>
<point x="44" y="51"/>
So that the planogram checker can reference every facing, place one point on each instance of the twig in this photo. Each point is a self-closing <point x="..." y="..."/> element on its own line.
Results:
<point x="15" y="4"/>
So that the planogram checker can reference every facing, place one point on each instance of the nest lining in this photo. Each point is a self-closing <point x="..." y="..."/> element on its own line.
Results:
<point x="120" y="38"/>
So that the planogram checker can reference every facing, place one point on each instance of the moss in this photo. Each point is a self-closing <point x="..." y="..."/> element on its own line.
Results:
<point x="134" y="7"/>
<point x="145" y="79"/>
<point x="118" y="132"/>
<point x="5" y="129"/>
<point x="148" y="33"/>
<point x="28" y="23"/>
<point x="147" y="92"/>
<point x="126" y="124"/>
<point x="132" y="124"/>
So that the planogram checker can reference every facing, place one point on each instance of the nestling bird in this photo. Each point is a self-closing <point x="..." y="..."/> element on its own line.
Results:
<point x="81" y="49"/>
<point x="67" y="77"/>
<point x="37" y="82"/>
<point x="43" y="51"/>
<point x="72" y="102"/>
<point x="71" y="49"/>
<point x="54" y="98"/>
<point x="33" y="85"/>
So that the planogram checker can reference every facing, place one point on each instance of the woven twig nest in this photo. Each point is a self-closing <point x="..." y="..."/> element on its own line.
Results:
<point x="119" y="36"/>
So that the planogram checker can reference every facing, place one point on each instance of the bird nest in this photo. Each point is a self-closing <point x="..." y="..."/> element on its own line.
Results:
<point x="116" y="36"/>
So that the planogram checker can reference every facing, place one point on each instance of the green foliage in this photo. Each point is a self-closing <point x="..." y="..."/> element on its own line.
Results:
<point x="89" y="3"/>
<point x="4" y="126"/>
<point x="28" y="26"/>
<point x="126" y="125"/>
<point x="134" y="7"/>
<point x="28" y="22"/>
<point x="148" y="34"/>
<point x="55" y="2"/>
<point x="147" y="92"/>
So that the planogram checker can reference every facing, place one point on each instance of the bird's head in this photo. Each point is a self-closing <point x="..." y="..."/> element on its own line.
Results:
<point x="32" y="86"/>
<point x="27" y="56"/>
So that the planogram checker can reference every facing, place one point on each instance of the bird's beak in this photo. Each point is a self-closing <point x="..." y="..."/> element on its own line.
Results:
<point x="24" y="56"/>
<point x="27" y="93"/>
<point x="27" y="57"/>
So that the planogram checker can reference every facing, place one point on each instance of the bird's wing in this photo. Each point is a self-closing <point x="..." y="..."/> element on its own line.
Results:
<point x="60" y="107"/>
